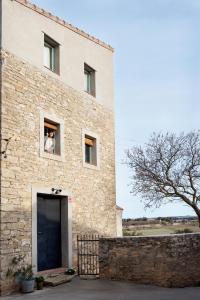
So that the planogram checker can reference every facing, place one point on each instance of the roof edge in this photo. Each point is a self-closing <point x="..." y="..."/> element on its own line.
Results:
<point x="56" y="19"/>
<point x="118" y="207"/>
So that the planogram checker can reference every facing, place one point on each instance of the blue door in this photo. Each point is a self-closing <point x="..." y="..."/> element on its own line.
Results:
<point x="48" y="232"/>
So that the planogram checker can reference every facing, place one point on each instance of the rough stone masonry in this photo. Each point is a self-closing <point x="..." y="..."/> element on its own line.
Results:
<point x="26" y="90"/>
<point x="168" y="261"/>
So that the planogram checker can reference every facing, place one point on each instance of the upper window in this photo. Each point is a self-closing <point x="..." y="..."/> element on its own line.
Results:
<point x="90" y="150"/>
<point x="51" y="54"/>
<point x="89" y="80"/>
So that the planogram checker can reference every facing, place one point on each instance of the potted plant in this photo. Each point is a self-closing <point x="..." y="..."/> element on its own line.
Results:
<point x="22" y="273"/>
<point x="70" y="271"/>
<point x="40" y="282"/>
<point x="27" y="279"/>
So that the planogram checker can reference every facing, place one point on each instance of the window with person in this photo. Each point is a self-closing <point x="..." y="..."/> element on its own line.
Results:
<point x="51" y="137"/>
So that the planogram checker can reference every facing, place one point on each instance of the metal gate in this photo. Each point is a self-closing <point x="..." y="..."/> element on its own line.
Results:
<point x="88" y="254"/>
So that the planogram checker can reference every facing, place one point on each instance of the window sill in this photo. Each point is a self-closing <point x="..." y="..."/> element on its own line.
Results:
<point x="94" y="96"/>
<point x="53" y="72"/>
<point x="52" y="156"/>
<point x="90" y="166"/>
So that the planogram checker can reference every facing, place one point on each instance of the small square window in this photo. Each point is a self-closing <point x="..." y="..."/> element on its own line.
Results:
<point x="52" y="137"/>
<point x="51" y="54"/>
<point x="89" y="80"/>
<point x="90" y="150"/>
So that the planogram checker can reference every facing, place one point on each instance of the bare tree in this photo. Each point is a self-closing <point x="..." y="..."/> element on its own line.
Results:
<point x="167" y="169"/>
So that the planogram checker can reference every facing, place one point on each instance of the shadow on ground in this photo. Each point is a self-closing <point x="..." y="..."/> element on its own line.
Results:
<point x="107" y="290"/>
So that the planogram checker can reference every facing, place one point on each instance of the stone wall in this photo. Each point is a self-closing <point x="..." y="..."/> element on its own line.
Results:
<point x="169" y="261"/>
<point x="27" y="90"/>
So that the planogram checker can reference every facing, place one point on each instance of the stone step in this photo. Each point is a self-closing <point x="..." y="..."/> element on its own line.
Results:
<point x="57" y="279"/>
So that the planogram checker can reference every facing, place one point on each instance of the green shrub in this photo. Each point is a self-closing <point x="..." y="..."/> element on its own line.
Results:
<point x="181" y="231"/>
<point x="131" y="233"/>
<point x="39" y="279"/>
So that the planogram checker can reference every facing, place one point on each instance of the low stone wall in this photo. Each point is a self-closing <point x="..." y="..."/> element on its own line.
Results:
<point x="169" y="261"/>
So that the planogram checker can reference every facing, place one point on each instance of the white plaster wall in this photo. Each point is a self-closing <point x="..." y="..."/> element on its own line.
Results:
<point x="119" y="222"/>
<point x="23" y="35"/>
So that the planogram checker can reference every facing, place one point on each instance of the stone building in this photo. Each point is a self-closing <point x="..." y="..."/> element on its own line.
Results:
<point x="119" y="213"/>
<point x="57" y="138"/>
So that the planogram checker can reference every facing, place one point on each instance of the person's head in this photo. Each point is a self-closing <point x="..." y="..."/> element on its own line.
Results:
<point x="51" y="134"/>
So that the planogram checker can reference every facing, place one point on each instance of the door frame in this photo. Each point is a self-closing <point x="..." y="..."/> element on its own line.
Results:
<point x="66" y="225"/>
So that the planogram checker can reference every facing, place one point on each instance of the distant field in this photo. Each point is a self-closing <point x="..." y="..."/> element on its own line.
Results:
<point x="159" y="229"/>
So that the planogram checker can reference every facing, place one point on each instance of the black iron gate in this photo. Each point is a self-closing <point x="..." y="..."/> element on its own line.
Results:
<point x="88" y="254"/>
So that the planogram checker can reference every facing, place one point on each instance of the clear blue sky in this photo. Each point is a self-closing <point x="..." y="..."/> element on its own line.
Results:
<point x="157" y="72"/>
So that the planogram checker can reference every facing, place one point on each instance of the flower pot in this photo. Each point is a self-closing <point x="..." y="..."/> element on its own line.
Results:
<point x="28" y="286"/>
<point x="40" y="285"/>
<point x="70" y="272"/>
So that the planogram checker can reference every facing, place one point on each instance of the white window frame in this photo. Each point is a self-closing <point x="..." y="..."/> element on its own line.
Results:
<point x="51" y="56"/>
<point x="51" y="117"/>
<point x="54" y="54"/>
<point x="95" y="136"/>
<point x="89" y="80"/>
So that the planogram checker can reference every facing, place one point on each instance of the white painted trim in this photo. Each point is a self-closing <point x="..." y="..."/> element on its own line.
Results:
<point x="48" y="191"/>
<point x="70" y="241"/>
<point x="96" y="136"/>
<point x="56" y="119"/>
